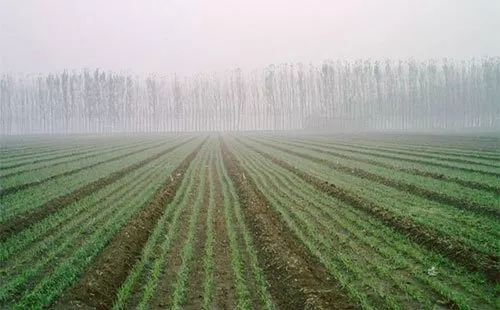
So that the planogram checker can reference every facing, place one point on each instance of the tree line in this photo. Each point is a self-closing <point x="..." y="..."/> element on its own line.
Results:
<point x="336" y="95"/>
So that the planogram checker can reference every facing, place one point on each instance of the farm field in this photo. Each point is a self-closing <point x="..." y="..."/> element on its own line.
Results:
<point x="250" y="221"/>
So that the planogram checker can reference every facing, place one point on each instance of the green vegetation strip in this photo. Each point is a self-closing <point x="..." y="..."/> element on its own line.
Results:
<point x="464" y="168"/>
<point x="156" y="268"/>
<point x="460" y="157"/>
<point x="426" y="236"/>
<point x="459" y="203"/>
<point x="477" y="231"/>
<point x="56" y="232"/>
<point x="41" y="157"/>
<point x="74" y="152"/>
<point x="64" y="273"/>
<point x="25" y="268"/>
<point x="399" y="166"/>
<point x="242" y="292"/>
<point x="208" y="257"/>
<point x="472" y="151"/>
<point x="179" y="294"/>
<point x="228" y="189"/>
<point x="364" y="261"/>
<point x="145" y="274"/>
<point x="296" y="280"/>
<point x="45" y="174"/>
<point x="452" y="158"/>
<point x="72" y="158"/>
<point x="98" y="286"/>
<point x="37" y="196"/>
<point x="28" y="218"/>
<point x="18" y="187"/>
<point x="74" y="144"/>
<point x="89" y="240"/>
<point x="45" y="152"/>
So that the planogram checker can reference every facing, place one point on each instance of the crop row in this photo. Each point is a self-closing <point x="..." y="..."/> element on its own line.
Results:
<point x="438" y="152"/>
<point x="47" y="149"/>
<point x="20" y="180"/>
<point x="71" y="157"/>
<point x="467" y="230"/>
<point x="42" y="193"/>
<point x="466" y="179"/>
<point x="440" y="190"/>
<point x="31" y="149"/>
<point x="249" y="221"/>
<point x="473" y="170"/>
<point x="71" y="237"/>
<point x="377" y="265"/>
<point x="43" y="156"/>
<point x="167" y="275"/>
<point x="464" y="156"/>
<point x="452" y="159"/>
<point x="450" y="143"/>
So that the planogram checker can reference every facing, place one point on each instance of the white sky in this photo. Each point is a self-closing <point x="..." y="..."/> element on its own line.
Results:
<point x="189" y="36"/>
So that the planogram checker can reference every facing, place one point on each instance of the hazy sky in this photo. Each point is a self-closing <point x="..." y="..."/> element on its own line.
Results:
<point x="187" y="36"/>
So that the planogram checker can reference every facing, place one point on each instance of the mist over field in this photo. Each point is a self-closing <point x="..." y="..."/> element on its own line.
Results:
<point x="189" y="37"/>
<point x="155" y="66"/>
<point x="237" y="154"/>
<point x="336" y="96"/>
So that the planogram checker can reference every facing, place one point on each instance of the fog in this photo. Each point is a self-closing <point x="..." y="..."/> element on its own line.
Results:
<point x="193" y="36"/>
<point x="221" y="65"/>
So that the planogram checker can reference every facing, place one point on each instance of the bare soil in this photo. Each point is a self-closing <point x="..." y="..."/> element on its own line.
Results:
<point x="224" y="279"/>
<point x="166" y="284"/>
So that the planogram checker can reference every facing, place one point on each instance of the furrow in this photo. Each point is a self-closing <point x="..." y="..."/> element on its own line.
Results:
<point x="447" y="245"/>
<point x="413" y="171"/>
<point x="16" y="188"/>
<point x="26" y="219"/>
<point x="99" y="285"/>
<point x="296" y="280"/>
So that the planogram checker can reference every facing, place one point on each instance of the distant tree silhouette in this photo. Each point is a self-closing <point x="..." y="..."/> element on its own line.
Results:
<point x="362" y="94"/>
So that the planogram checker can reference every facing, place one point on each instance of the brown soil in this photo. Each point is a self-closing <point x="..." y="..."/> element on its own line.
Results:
<point x="88" y="215"/>
<point x="224" y="279"/>
<point x="30" y="217"/>
<point x="250" y="281"/>
<point x="296" y="280"/>
<point x="488" y="264"/>
<point x="98" y="285"/>
<point x="399" y="185"/>
<point x="166" y="284"/>
<point x="163" y="291"/>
